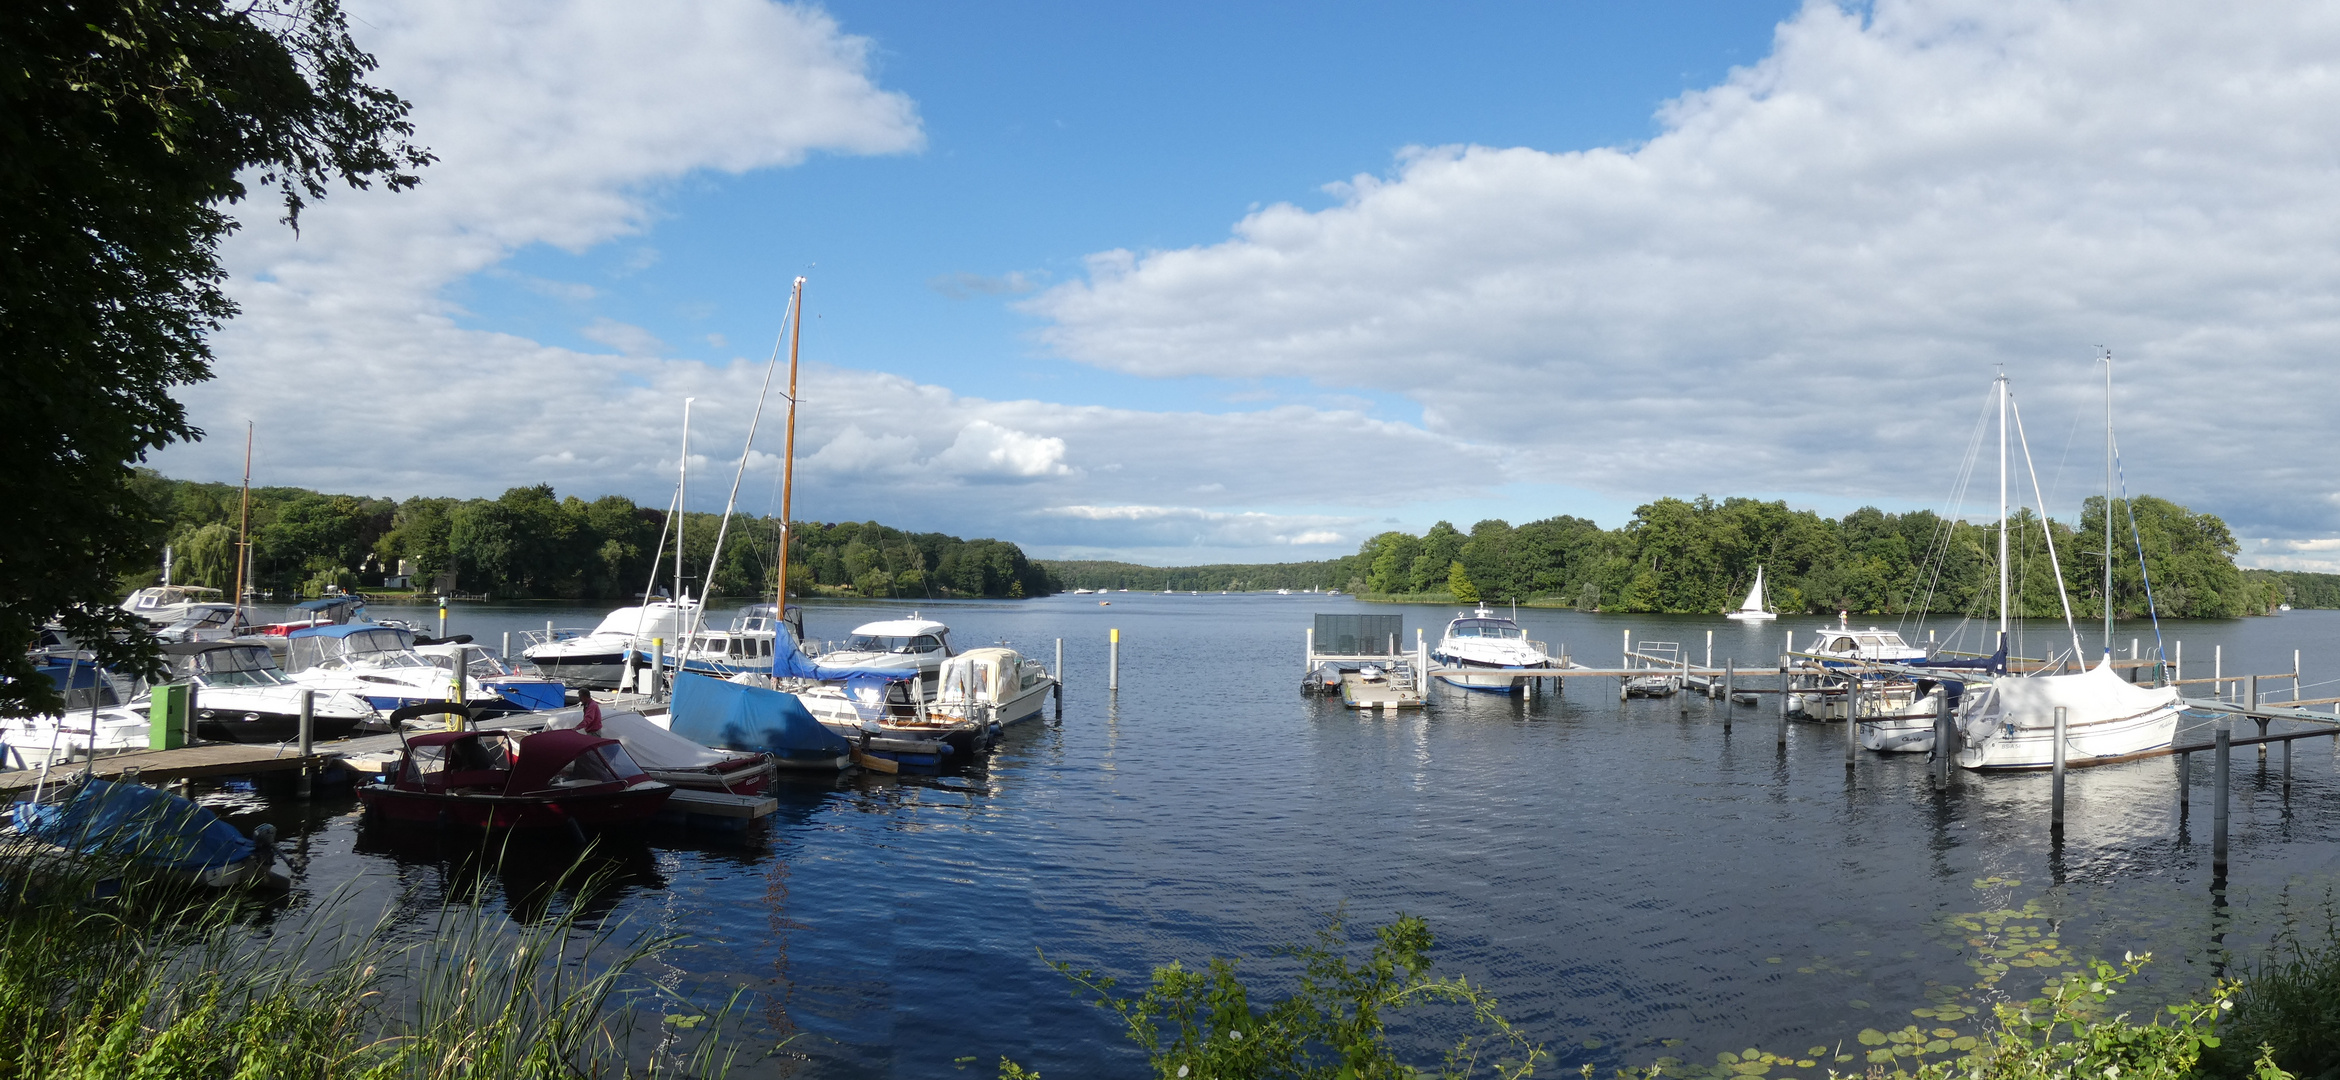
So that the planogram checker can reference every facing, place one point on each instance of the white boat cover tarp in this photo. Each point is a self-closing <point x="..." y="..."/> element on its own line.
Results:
<point x="2094" y="696"/>
<point x="651" y="746"/>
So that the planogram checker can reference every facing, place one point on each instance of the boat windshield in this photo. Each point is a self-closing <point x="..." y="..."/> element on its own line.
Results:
<point x="1485" y="628"/>
<point x="380" y="648"/>
<point x="251" y="666"/>
<point x="892" y="643"/>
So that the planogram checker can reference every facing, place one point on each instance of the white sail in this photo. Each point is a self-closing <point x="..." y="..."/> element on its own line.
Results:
<point x="1754" y="600"/>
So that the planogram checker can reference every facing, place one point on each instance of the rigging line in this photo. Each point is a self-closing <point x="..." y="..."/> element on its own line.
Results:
<point x="2047" y="533"/>
<point x="2152" y="606"/>
<point x="1938" y="547"/>
<point x="642" y="613"/>
<point x="2056" y="479"/>
<point x="713" y="561"/>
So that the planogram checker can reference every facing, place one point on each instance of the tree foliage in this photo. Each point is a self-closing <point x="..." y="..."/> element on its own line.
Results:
<point x="127" y="127"/>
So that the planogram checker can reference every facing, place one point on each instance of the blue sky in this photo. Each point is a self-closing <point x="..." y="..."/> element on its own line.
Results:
<point x="1057" y="130"/>
<point x="1242" y="282"/>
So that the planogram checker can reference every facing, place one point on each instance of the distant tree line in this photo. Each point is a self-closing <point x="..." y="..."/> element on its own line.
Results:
<point x="1700" y="555"/>
<point x="530" y="543"/>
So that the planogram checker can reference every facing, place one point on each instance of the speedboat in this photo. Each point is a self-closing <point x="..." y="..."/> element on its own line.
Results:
<point x="488" y="672"/>
<point x="1485" y="641"/>
<point x="244" y="698"/>
<point x="597" y="658"/>
<point x="98" y="717"/>
<point x="380" y="664"/>
<point x="204" y="622"/>
<point x="163" y="605"/>
<point x="1753" y="609"/>
<point x="506" y="780"/>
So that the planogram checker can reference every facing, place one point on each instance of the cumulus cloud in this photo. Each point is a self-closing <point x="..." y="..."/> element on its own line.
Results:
<point x="961" y="286"/>
<point x="1802" y="282"/>
<point x="624" y="337"/>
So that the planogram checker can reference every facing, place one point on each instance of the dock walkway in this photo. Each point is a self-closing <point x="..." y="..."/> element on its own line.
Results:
<point x="186" y="762"/>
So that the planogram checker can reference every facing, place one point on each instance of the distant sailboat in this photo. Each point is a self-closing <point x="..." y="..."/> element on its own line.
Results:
<point x="1754" y="609"/>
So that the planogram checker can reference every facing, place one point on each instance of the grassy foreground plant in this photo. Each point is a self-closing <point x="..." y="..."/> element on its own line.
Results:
<point x="1195" y="1024"/>
<point x="156" y="982"/>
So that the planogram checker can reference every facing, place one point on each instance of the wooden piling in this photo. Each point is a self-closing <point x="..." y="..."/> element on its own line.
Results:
<point x="1783" y="696"/>
<point x="1730" y="675"/>
<point x="308" y="731"/>
<point x="1852" y="723"/>
<point x="2218" y="813"/>
<point x="2185" y="784"/>
<point x="2253" y="704"/>
<point x="1942" y="729"/>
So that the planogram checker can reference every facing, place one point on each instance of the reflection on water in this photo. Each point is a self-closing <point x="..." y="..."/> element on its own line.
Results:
<point x="1619" y="873"/>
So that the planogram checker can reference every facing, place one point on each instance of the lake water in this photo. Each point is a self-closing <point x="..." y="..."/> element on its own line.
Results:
<point x="1620" y="875"/>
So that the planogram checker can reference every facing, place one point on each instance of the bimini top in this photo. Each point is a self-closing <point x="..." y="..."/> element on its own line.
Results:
<point x="342" y="630"/>
<point x="901" y="628"/>
<point x="327" y="603"/>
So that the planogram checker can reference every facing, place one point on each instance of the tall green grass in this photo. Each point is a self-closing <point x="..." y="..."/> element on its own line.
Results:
<point x="158" y="980"/>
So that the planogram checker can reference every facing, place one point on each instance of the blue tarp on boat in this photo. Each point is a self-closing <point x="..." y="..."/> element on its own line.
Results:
<point x="152" y="827"/>
<point x="728" y="716"/>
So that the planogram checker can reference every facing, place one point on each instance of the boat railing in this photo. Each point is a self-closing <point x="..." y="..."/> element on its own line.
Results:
<point x="531" y="638"/>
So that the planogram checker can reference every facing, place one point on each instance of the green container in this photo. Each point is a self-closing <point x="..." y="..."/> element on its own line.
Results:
<point x="166" y="727"/>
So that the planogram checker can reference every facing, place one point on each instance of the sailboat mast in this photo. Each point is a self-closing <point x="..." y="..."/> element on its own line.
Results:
<point x="244" y="527"/>
<point x="682" y="511"/>
<point x="2108" y="499"/>
<point x="2002" y="509"/>
<point x="788" y="458"/>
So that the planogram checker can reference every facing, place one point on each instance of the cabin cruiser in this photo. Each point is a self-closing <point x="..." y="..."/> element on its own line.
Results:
<point x="1894" y="708"/>
<point x="204" y="622"/>
<point x="1842" y="646"/>
<point x="596" y="659"/>
<point x="98" y="717"/>
<point x="994" y="684"/>
<point x="746" y="646"/>
<point x="163" y="605"/>
<point x="486" y="671"/>
<point x="915" y="648"/>
<point x="1491" y="643"/>
<point x="379" y="664"/>
<point x="243" y="697"/>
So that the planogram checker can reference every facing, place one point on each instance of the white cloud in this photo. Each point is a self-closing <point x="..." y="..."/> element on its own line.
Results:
<point x="988" y="451"/>
<point x="1806" y="279"/>
<point x="626" y="338"/>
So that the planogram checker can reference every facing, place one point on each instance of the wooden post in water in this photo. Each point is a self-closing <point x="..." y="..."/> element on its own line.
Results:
<point x="2185" y="784"/>
<point x="2253" y="705"/>
<point x="1852" y="723"/>
<point x="1942" y="729"/>
<point x="308" y="727"/>
<point x="1783" y="696"/>
<point x="2056" y="791"/>
<point x="1730" y="674"/>
<point x="2218" y="811"/>
<point x="1113" y="662"/>
<point x="1060" y="678"/>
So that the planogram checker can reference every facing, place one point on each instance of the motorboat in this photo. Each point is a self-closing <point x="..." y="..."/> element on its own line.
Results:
<point x="995" y="684"/>
<point x="98" y="718"/>
<point x="163" y="605"/>
<point x="737" y="714"/>
<point x="1843" y="646"/>
<point x="981" y="692"/>
<point x="156" y="832"/>
<point x="1753" y="608"/>
<point x="243" y="697"/>
<point x="340" y="609"/>
<point x="488" y="672"/>
<point x="596" y="659"/>
<point x="506" y="780"/>
<point x="1489" y="643"/>
<point x="912" y="650"/>
<point x="672" y="759"/>
<point x="380" y="664"/>
<point x="746" y="646"/>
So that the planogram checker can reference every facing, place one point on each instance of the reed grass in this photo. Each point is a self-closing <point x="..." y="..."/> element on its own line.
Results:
<point x="160" y="980"/>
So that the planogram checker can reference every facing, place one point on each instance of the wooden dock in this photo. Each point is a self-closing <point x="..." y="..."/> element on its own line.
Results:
<point x="185" y="763"/>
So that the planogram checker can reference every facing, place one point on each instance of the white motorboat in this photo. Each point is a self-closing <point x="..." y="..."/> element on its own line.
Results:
<point x="994" y="684"/>
<point x="243" y="697"/>
<point x="486" y="671"/>
<point x="1485" y="641"/>
<point x="163" y="605"/>
<point x="2010" y="723"/>
<point x="1753" y="609"/>
<point x="1843" y="646"/>
<point x="748" y="645"/>
<point x="204" y="622"/>
<point x="379" y="664"/>
<point x="912" y="646"/>
<point x="597" y="658"/>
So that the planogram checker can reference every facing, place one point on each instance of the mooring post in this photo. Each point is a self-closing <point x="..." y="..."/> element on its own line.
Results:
<point x="1783" y="696"/>
<point x="2185" y="784"/>
<point x="1710" y="649"/>
<point x="1308" y="653"/>
<point x="1852" y="719"/>
<point x="2056" y="791"/>
<point x="657" y="666"/>
<point x="308" y="727"/>
<point x="1730" y="705"/>
<point x="2218" y="670"/>
<point x="442" y="616"/>
<point x="2218" y="812"/>
<point x="1060" y="678"/>
<point x="2177" y="664"/>
<point x="2252" y="703"/>
<point x="1942" y="728"/>
<point x="1113" y="662"/>
<point x="506" y="655"/>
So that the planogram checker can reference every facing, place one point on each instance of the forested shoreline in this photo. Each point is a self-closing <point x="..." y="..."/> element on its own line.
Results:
<point x="529" y="543"/>
<point x="1700" y="555"/>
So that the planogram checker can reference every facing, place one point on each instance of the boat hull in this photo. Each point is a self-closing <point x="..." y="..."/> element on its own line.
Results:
<point x="593" y="671"/>
<point x="2095" y="743"/>
<point x="246" y="726"/>
<point x="1484" y="677"/>
<point x="461" y="810"/>
<point x="1751" y="616"/>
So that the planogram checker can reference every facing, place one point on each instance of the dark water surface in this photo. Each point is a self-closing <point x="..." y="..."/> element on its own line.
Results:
<point x="1619" y="874"/>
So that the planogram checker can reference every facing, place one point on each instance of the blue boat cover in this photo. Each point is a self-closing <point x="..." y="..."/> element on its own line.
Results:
<point x="327" y="603"/>
<point x="788" y="663"/>
<point x="340" y="630"/>
<point x="152" y="827"/>
<point x="729" y="716"/>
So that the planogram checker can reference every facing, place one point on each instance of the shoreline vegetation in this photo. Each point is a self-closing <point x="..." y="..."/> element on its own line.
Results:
<point x="528" y="543"/>
<point x="1699" y="556"/>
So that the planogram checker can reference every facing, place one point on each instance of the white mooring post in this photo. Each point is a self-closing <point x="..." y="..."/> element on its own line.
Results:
<point x="506" y="655"/>
<point x="2218" y="671"/>
<point x="1710" y="648"/>
<point x="657" y="665"/>
<point x="1942" y="729"/>
<point x="1852" y="722"/>
<point x="308" y="730"/>
<point x="1113" y="662"/>
<point x="1308" y="657"/>
<point x="2056" y="789"/>
<point x="1783" y="696"/>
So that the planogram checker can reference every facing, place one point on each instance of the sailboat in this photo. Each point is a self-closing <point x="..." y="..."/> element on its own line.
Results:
<point x="2010" y="722"/>
<point x="1753" y="609"/>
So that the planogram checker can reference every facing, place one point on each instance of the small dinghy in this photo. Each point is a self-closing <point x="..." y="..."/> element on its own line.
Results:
<point x="505" y="780"/>
<point x="156" y="831"/>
